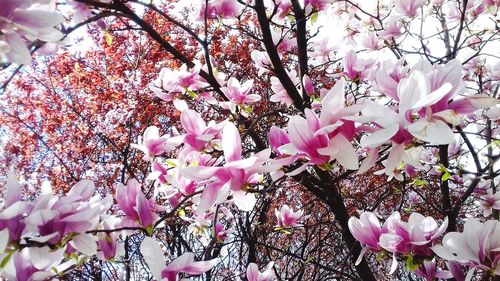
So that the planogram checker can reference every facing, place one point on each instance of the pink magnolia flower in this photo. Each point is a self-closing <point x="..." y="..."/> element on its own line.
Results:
<point x="280" y="94"/>
<point x="283" y="41"/>
<point x="414" y="237"/>
<point x="392" y="28"/>
<point x="367" y="231"/>
<point x="306" y="138"/>
<point x="153" y="255"/>
<point x="408" y="7"/>
<point x="236" y="174"/>
<point x="317" y="5"/>
<point x="139" y="210"/>
<point x="283" y="9"/>
<point x="287" y="217"/>
<point x="238" y="94"/>
<point x="218" y="9"/>
<point x="107" y="246"/>
<point x="11" y="218"/>
<point x="424" y="112"/>
<point x="490" y="201"/>
<point x="425" y="101"/>
<point x="261" y="61"/>
<point x="159" y="173"/>
<point x="325" y="138"/>
<point x="220" y="232"/>
<point x="107" y="243"/>
<point x="356" y="69"/>
<point x="371" y="41"/>
<point x="171" y="82"/>
<point x="277" y="138"/>
<point x="184" y="185"/>
<point x="476" y="247"/>
<point x="387" y="78"/>
<point x="253" y="273"/>
<point x="34" y="263"/>
<point x="198" y="135"/>
<point x="430" y="272"/>
<point x="308" y="85"/>
<point x="152" y="144"/>
<point x="53" y="218"/>
<point x="323" y="50"/>
<point x="22" y="22"/>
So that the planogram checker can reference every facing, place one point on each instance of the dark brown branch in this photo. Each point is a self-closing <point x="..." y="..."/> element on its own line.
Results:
<point x="272" y="52"/>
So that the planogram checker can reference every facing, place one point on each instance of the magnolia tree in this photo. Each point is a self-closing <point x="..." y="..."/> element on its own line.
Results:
<point x="250" y="140"/>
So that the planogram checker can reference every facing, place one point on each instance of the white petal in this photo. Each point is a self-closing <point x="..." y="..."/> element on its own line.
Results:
<point x="347" y="155"/>
<point x="153" y="256"/>
<point x="82" y="190"/>
<point x="13" y="193"/>
<point x="380" y="136"/>
<point x="44" y="257"/>
<point x="4" y="239"/>
<point x="85" y="243"/>
<point x="244" y="201"/>
<point x="435" y="132"/>
<point x="433" y="97"/>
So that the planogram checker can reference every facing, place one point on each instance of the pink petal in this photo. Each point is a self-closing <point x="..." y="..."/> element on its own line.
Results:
<point x="37" y="19"/>
<point x="252" y="272"/>
<point x="199" y="267"/>
<point x="231" y="142"/>
<point x="208" y="198"/>
<point x="192" y="122"/>
<point x="18" y="53"/>
<point x="181" y="263"/>
<point x="144" y="211"/>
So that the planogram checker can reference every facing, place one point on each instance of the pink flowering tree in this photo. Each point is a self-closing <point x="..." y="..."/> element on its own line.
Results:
<point x="306" y="140"/>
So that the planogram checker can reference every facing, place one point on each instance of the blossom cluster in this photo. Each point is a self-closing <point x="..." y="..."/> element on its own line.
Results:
<point x="43" y="238"/>
<point x="22" y="23"/>
<point x="417" y="243"/>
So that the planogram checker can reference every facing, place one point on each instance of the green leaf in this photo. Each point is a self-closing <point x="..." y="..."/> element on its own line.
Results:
<point x="150" y="230"/>
<point x="410" y="264"/>
<point x="380" y="256"/>
<point x="442" y="168"/>
<point x="314" y="18"/>
<point x="192" y="94"/>
<point x="181" y="213"/>
<point x="171" y="163"/>
<point x="446" y="176"/>
<point x="5" y="260"/>
<point x="108" y="38"/>
<point x="326" y="167"/>
<point x="248" y="109"/>
<point x="420" y="182"/>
